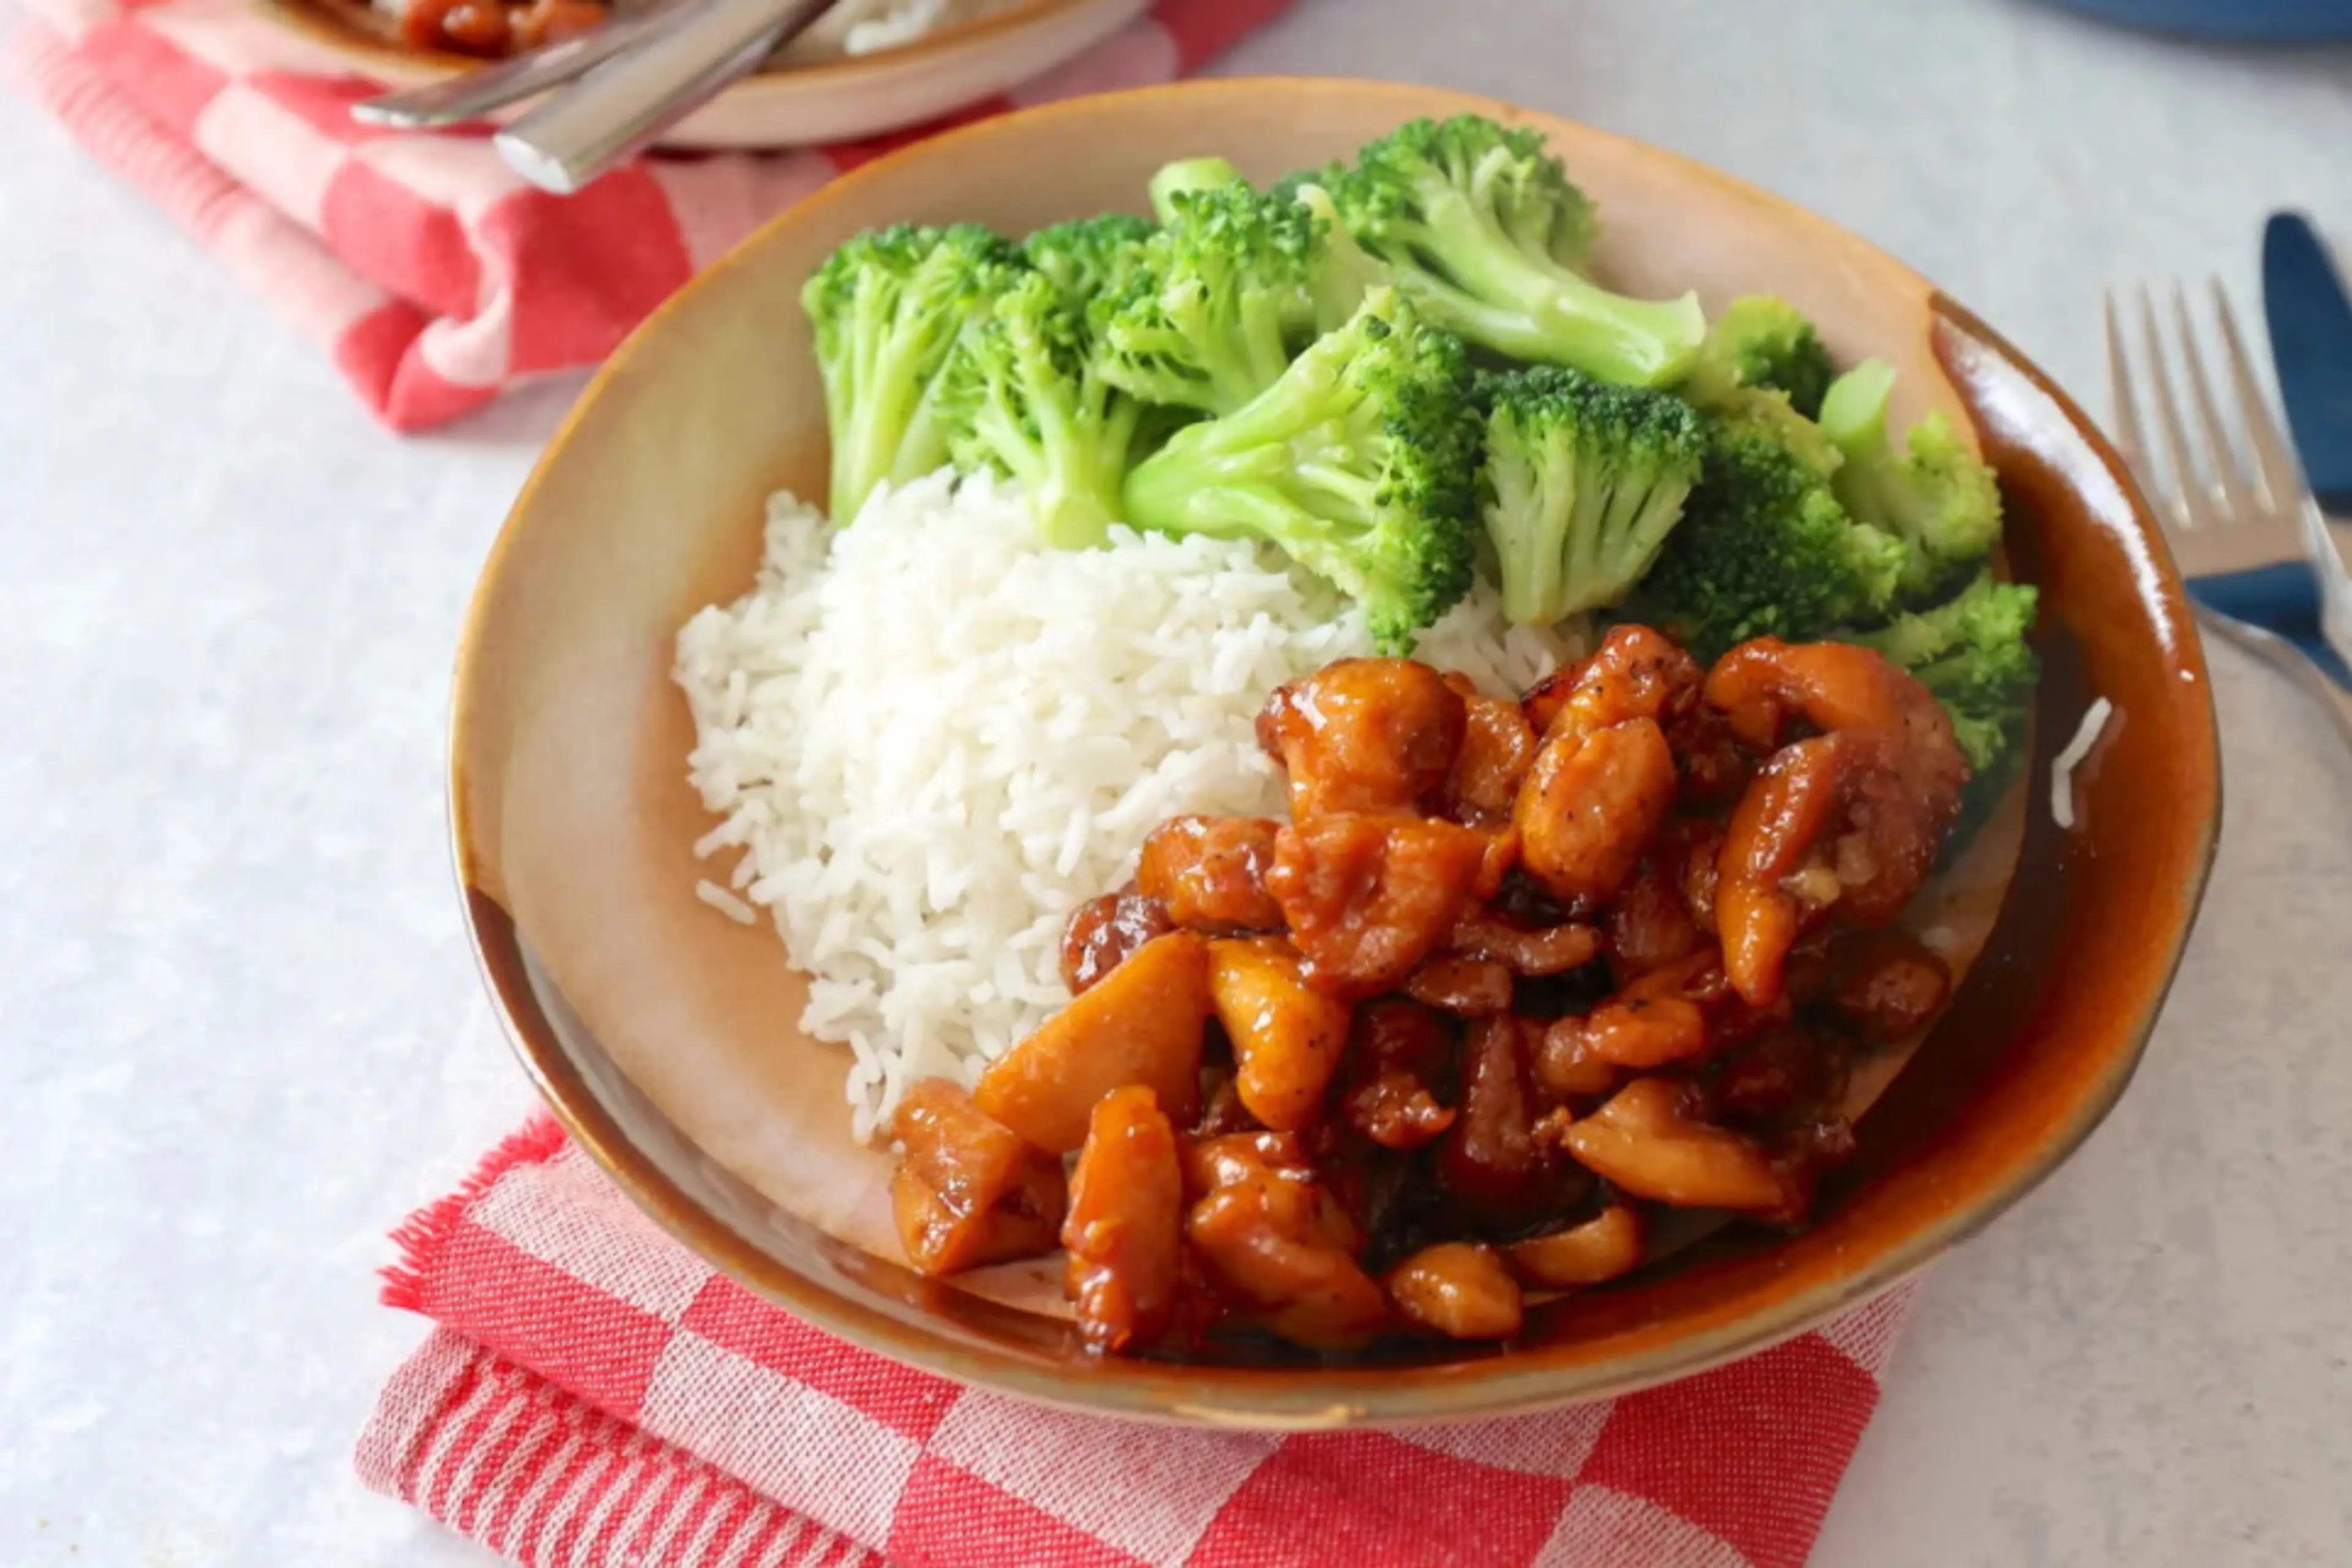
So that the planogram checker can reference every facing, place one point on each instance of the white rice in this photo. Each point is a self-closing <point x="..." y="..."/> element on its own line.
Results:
<point x="2061" y="768"/>
<point x="726" y="903"/>
<point x="933" y="744"/>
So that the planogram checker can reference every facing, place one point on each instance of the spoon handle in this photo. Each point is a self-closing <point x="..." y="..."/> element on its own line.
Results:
<point x="626" y="102"/>
<point x="475" y="93"/>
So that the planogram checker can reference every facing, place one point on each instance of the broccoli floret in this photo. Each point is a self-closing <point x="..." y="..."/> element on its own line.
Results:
<point x="1358" y="463"/>
<point x="1344" y="271"/>
<point x="1771" y="418"/>
<point x="1582" y="484"/>
<point x="1972" y="653"/>
<point x="1933" y="494"/>
<point x="1026" y="397"/>
<point x="1761" y="341"/>
<point x="1765" y="548"/>
<point x="1087" y="256"/>
<point x="887" y="309"/>
<point x="1216" y="302"/>
<point x="1184" y="177"/>
<point x="1480" y="227"/>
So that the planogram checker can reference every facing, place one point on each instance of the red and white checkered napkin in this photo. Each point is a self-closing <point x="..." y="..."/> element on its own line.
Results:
<point x="596" y="1396"/>
<point x="433" y="274"/>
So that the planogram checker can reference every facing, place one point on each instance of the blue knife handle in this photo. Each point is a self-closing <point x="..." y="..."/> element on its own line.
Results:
<point x="2310" y="321"/>
<point x="2282" y="598"/>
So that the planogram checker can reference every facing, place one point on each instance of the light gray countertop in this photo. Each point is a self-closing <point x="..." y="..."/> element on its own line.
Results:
<point x="241" y="1035"/>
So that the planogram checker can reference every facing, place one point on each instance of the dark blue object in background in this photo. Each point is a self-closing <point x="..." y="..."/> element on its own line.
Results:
<point x="2310" y="320"/>
<point x="2263" y="21"/>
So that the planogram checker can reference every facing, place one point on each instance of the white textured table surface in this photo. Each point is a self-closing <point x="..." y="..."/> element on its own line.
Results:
<point x="239" y="1034"/>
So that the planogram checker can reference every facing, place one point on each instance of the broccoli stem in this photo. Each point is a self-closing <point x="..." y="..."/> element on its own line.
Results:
<point x="1070" y="456"/>
<point x="1242" y="475"/>
<point x="884" y="431"/>
<point x="1209" y="490"/>
<point x="1549" y="314"/>
<point x="1853" y="417"/>
<point x="1532" y="569"/>
<point x="1347" y="272"/>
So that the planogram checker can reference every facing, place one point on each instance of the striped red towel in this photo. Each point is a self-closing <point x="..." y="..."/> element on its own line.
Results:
<point x="597" y="1397"/>
<point x="433" y="275"/>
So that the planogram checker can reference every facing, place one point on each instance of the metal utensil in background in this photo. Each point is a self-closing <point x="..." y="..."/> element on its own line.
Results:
<point x="626" y="102"/>
<point x="477" y="92"/>
<point x="2238" y="532"/>
<point x="2311" y="347"/>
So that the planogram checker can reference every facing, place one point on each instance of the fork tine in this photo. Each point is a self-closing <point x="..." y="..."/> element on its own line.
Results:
<point x="2232" y="496"/>
<point x="2189" y="499"/>
<point x="2282" y="476"/>
<point x="2129" y="438"/>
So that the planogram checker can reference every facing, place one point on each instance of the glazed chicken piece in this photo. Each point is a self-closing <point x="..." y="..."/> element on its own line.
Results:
<point x="1712" y="766"/>
<point x="1126" y="1226"/>
<point x="1270" y="1239"/>
<point x="1602" y="1248"/>
<point x="1605" y="777"/>
<point x="1659" y="1018"/>
<point x="1367" y="898"/>
<point x="1467" y="987"/>
<point x="1635" y="673"/>
<point x="1142" y="1023"/>
<point x="1851" y="818"/>
<point x="1639" y="673"/>
<point x="967" y="1191"/>
<point x="1209" y="873"/>
<point x="1782" y="1077"/>
<point x="1364" y="735"/>
<point x="1524" y="950"/>
<point x="1288" y="1036"/>
<point x="1213" y="1163"/>
<point x="1785" y="1093"/>
<point x="1672" y="1013"/>
<point x="1400" y="1054"/>
<point x="1498" y="859"/>
<point x="1885" y="983"/>
<point x="1645" y="1142"/>
<point x="1701" y="843"/>
<point x="1651" y="924"/>
<point x="1103" y="931"/>
<point x="1564" y="1065"/>
<point x="1221" y="1111"/>
<point x="1591" y="805"/>
<point x="1499" y="745"/>
<point x="1495" y="1169"/>
<point x="1459" y="1289"/>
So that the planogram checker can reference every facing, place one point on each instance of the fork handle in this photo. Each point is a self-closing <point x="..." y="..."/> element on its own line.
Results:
<point x="625" y="103"/>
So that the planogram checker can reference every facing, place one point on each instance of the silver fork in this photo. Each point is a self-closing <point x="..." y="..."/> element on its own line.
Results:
<point x="2246" y="537"/>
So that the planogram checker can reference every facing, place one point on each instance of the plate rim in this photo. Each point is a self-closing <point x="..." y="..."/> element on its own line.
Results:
<point x="1290" y="1399"/>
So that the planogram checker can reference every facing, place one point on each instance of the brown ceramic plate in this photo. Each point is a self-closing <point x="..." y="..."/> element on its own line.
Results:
<point x="802" y="98"/>
<point x="664" y="1036"/>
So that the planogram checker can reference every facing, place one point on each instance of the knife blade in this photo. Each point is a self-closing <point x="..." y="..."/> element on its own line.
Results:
<point x="2310" y="322"/>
